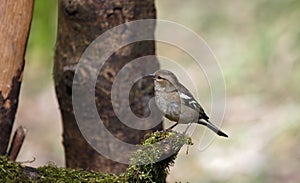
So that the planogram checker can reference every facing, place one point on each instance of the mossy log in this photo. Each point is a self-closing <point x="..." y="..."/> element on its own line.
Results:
<point x="150" y="163"/>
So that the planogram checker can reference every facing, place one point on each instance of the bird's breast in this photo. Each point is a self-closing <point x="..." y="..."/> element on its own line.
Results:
<point x="169" y="105"/>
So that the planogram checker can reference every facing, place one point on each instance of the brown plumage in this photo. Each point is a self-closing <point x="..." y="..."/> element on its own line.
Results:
<point x="177" y="103"/>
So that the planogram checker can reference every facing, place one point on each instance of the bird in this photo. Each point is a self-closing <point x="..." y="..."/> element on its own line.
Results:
<point x="177" y="104"/>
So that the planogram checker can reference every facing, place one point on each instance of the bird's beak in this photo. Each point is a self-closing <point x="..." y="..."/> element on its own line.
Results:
<point x="150" y="76"/>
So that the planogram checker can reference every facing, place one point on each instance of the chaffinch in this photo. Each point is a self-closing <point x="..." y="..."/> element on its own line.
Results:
<point x="177" y="103"/>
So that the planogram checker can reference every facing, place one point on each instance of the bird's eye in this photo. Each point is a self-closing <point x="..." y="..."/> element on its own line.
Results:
<point x="158" y="77"/>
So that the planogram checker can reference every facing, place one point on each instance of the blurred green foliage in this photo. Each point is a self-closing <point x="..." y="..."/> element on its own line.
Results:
<point x="40" y="46"/>
<point x="43" y="30"/>
<point x="255" y="41"/>
<point x="257" y="44"/>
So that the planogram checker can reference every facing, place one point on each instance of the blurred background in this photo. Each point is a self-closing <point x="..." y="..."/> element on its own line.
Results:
<point x="257" y="44"/>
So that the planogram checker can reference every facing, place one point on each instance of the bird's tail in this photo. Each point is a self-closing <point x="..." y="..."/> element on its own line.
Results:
<point x="213" y="128"/>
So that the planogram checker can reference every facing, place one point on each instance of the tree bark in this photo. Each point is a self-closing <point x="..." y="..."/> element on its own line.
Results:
<point x="15" y="18"/>
<point x="80" y="22"/>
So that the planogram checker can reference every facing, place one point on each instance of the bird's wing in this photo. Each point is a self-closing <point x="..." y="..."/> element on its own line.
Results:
<point x="187" y="99"/>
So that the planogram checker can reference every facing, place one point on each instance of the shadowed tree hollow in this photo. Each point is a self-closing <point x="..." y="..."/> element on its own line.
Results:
<point x="81" y="22"/>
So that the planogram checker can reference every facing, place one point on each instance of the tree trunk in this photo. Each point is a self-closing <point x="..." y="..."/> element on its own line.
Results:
<point x="80" y="22"/>
<point x="15" y="18"/>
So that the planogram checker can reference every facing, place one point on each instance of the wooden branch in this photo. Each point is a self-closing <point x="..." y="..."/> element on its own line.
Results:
<point x="17" y="143"/>
<point x="15" y="18"/>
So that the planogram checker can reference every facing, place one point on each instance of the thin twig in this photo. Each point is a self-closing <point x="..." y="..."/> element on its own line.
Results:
<point x="17" y="143"/>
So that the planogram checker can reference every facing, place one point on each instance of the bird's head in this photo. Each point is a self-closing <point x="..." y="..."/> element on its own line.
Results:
<point x="164" y="80"/>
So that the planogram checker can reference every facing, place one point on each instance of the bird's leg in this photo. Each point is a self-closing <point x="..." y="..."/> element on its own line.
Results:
<point x="187" y="128"/>
<point x="170" y="128"/>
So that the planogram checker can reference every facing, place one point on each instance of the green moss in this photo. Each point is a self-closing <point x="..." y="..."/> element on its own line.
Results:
<point x="150" y="163"/>
<point x="54" y="174"/>
<point x="11" y="171"/>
